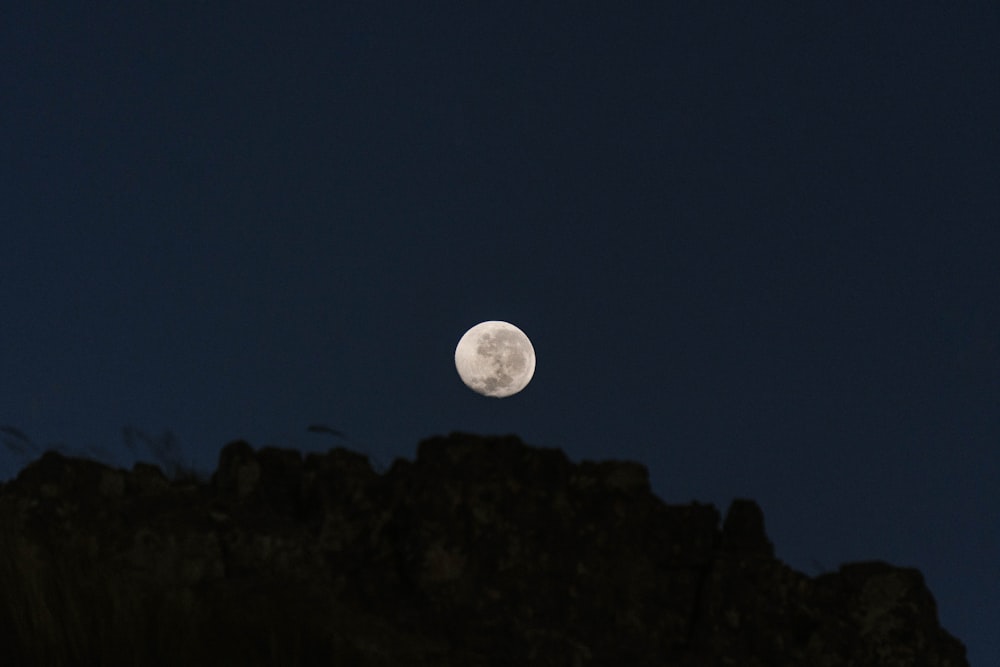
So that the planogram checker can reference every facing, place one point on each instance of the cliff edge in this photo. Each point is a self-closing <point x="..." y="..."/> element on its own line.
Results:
<point x="482" y="551"/>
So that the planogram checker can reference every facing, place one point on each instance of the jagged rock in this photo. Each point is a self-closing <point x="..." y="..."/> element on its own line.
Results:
<point x="743" y="529"/>
<point x="482" y="551"/>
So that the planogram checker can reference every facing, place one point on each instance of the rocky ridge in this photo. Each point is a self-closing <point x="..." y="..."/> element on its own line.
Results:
<point x="482" y="551"/>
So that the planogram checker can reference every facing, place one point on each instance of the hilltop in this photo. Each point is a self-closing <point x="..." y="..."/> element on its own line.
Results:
<point x="481" y="551"/>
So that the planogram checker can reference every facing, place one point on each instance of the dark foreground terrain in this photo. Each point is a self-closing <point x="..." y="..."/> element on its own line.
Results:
<point x="484" y="551"/>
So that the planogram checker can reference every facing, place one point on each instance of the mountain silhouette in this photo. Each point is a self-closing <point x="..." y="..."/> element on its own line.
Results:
<point x="482" y="551"/>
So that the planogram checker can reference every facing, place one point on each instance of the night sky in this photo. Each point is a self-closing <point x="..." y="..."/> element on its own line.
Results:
<point x="756" y="250"/>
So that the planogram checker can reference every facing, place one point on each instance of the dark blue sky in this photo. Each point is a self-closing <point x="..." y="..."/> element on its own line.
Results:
<point x="756" y="250"/>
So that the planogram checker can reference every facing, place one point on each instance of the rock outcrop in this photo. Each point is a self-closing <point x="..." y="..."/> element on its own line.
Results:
<point x="482" y="551"/>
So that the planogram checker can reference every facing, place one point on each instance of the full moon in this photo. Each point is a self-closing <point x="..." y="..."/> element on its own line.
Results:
<point x="495" y="359"/>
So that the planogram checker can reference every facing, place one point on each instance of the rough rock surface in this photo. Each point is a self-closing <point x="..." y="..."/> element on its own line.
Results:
<point x="482" y="551"/>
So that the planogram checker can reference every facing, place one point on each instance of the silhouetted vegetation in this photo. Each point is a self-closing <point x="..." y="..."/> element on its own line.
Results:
<point x="16" y="441"/>
<point x="164" y="449"/>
